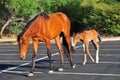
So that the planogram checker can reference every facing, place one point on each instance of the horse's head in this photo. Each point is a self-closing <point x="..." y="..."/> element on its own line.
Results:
<point x="74" y="39"/>
<point x="23" y="47"/>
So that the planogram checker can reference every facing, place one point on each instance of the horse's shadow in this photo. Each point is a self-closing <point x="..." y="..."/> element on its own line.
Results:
<point x="24" y="70"/>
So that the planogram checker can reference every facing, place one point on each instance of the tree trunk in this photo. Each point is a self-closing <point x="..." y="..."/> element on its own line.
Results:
<point x="4" y="26"/>
<point x="7" y="23"/>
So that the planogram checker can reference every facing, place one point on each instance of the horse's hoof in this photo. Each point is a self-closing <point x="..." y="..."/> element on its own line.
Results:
<point x="60" y="69"/>
<point x="30" y="74"/>
<point x="50" y="71"/>
<point x="73" y="66"/>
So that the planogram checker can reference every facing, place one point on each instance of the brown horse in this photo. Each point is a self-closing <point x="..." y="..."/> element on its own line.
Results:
<point x="87" y="36"/>
<point x="43" y="28"/>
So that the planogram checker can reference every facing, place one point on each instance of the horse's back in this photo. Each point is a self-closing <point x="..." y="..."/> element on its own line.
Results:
<point x="90" y="34"/>
<point x="57" y="23"/>
<point x="62" y="16"/>
<point x="61" y="19"/>
<point x="95" y="33"/>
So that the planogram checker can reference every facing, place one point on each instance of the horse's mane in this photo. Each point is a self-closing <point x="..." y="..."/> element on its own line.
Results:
<point x="30" y="22"/>
<point x="44" y="15"/>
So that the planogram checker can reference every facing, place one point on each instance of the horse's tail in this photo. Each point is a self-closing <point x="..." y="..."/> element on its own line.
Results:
<point x="99" y="38"/>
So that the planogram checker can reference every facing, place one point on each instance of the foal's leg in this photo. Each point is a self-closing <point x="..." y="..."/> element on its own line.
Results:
<point x="35" y="47"/>
<point x="49" y="54"/>
<point x="87" y="50"/>
<point x="57" y="39"/>
<point x="85" y="59"/>
<point x="97" y="50"/>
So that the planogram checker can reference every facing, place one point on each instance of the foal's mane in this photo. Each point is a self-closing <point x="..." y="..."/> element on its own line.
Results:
<point x="30" y="22"/>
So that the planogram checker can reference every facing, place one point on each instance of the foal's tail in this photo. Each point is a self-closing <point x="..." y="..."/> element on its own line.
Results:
<point x="99" y="38"/>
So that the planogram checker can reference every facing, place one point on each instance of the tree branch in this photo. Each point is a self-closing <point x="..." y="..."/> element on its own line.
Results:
<point x="7" y="23"/>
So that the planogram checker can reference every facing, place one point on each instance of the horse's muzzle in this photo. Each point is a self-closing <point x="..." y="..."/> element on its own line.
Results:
<point x="22" y="58"/>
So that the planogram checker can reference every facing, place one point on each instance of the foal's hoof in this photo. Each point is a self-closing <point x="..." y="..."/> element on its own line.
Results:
<point x="50" y="71"/>
<point x="60" y="69"/>
<point x="30" y="74"/>
<point x="73" y="66"/>
<point x="97" y="61"/>
<point x="93" y="60"/>
<point x="84" y="63"/>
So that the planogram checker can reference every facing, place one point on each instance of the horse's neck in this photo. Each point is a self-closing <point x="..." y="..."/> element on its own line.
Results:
<point x="29" y="34"/>
<point x="32" y="30"/>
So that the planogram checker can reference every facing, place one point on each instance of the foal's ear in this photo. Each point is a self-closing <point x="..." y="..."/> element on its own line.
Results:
<point x="74" y="34"/>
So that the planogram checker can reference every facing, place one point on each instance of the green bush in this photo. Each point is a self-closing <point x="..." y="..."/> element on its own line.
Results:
<point x="83" y="14"/>
<point x="16" y="28"/>
<point x="107" y="18"/>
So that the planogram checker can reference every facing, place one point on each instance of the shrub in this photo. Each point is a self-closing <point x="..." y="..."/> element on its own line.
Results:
<point x="16" y="28"/>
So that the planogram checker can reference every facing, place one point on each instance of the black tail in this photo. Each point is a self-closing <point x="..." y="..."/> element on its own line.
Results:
<point x="65" y="46"/>
<point x="99" y="38"/>
<point x="66" y="49"/>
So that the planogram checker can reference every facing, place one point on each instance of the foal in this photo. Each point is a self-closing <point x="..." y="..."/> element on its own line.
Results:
<point x="86" y="37"/>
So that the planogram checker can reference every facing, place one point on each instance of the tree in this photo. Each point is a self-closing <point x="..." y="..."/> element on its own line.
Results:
<point x="18" y="9"/>
<point x="83" y="14"/>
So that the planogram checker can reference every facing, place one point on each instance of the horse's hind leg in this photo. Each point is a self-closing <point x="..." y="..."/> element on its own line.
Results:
<point x="87" y="50"/>
<point x="70" y="50"/>
<point x="97" y="50"/>
<point x="57" y="39"/>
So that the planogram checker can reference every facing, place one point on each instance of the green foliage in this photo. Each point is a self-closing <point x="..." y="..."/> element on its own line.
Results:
<point x="50" y="6"/>
<point x="83" y="14"/>
<point x="22" y="7"/>
<point x="107" y="18"/>
<point x="114" y="30"/>
<point x="16" y="27"/>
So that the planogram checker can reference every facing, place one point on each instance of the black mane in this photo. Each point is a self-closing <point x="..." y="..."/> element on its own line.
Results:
<point x="44" y="15"/>
<point x="30" y="22"/>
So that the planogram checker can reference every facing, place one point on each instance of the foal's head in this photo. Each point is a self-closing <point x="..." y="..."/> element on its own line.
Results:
<point x="74" y="40"/>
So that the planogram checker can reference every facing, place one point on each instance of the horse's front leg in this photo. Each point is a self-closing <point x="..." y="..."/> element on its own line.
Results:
<point x="57" y="40"/>
<point x="49" y="55"/>
<point x="35" y="47"/>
